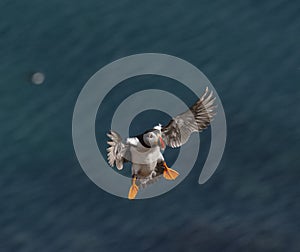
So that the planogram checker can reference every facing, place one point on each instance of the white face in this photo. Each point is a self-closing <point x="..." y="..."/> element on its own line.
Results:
<point x="152" y="139"/>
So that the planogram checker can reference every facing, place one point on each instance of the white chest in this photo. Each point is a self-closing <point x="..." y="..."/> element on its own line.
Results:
<point x="141" y="155"/>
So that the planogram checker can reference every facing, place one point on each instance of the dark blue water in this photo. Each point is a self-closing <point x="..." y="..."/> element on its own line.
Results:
<point x="250" y="52"/>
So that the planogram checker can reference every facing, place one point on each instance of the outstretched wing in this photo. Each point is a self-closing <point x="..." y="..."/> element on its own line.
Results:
<point x="117" y="151"/>
<point x="196" y="119"/>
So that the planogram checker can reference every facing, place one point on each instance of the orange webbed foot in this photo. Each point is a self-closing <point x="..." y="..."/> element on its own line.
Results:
<point x="169" y="173"/>
<point x="133" y="190"/>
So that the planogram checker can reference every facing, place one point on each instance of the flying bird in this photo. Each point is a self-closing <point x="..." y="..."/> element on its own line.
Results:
<point x="145" y="150"/>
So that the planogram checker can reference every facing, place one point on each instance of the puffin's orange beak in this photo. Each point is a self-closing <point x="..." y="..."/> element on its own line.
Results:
<point x="162" y="143"/>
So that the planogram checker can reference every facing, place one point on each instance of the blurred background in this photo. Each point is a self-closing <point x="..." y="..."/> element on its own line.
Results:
<point x="250" y="52"/>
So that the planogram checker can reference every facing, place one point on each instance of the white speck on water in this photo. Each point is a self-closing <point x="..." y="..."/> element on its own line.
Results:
<point x="38" y="78"/>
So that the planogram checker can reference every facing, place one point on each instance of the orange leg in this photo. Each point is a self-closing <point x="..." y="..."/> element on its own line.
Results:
<point x="169" y="173"/>
<point x="133" y="189"/>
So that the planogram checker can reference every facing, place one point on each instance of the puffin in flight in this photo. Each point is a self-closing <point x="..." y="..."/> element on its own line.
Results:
<point x="145" y="151"/>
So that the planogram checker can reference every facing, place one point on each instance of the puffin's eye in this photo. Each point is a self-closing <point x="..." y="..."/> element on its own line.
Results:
<point x="150" y="136"/>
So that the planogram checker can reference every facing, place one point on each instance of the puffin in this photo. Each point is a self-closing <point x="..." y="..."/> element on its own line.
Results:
<point x="144" y="151"/>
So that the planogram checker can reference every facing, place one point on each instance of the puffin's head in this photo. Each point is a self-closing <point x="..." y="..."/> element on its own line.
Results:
<point x="153" y="138"/>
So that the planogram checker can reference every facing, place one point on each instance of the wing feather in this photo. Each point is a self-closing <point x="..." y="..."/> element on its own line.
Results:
<point x="196" y="119"/>
<point x="117" y="150"/>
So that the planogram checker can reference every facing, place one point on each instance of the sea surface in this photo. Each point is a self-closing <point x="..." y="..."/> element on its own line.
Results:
<point x="249" y="50"/>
